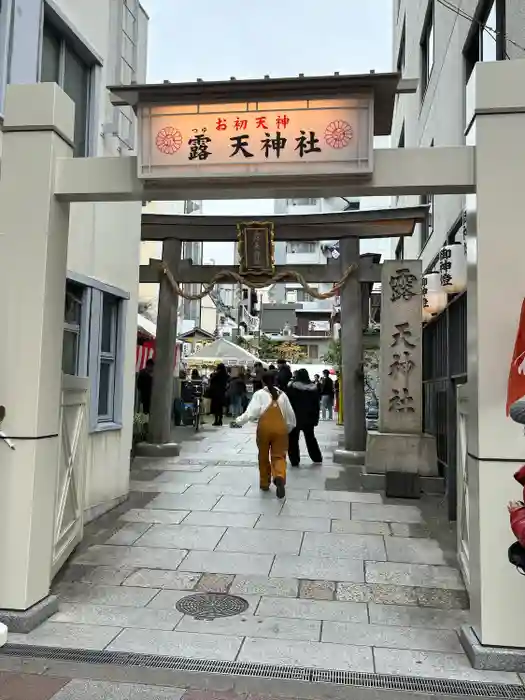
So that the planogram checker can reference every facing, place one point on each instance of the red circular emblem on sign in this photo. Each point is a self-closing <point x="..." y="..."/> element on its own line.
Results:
<point x="338" y="134"/>
<point x="168" y="140"/>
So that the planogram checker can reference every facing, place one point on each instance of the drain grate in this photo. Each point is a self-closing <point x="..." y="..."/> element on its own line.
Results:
<point x="356" y="679"/>
<point x="208" y="606"/>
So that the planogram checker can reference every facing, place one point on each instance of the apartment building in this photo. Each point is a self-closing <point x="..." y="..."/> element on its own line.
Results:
<point x="310" y="325"/>
<point x="439" y="42"/>
<point x="85" y="46"/>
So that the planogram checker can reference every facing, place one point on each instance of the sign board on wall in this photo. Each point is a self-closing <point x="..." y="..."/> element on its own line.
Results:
<point x="255" y="138"/>
<point x="319" y="326"/>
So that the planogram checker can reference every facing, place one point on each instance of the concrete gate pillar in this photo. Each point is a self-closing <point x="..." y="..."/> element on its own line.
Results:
<point x="496" y="289"/>
<point x="38" y="129"/>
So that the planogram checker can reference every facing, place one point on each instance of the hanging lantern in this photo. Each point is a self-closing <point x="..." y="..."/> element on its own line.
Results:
<point x="433" y="296"/>
<point x="453" y="268"/>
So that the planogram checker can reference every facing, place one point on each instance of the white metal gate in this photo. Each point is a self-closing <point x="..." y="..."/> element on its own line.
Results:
<point x="69" y="502"/>
<point x="463" y="484"/>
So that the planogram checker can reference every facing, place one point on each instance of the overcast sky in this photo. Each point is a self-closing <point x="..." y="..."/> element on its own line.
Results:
<point x="217" y="39"/>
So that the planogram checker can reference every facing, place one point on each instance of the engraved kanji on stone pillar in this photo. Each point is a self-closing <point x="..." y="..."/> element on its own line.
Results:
<point x="400" y="404"/>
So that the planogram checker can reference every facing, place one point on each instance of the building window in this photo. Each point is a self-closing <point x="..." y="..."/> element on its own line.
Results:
<point x="401" y="57"/>
<point x="301" y="247"/>
<point x="401" y="142"/>
<point x="306" y="202"/>
<point x="298" y="295"/>
<point x="427" y="49"/>
<point x="427" y="228"/>
<point x="93" y="347"/>
<point x="127" y="67"/>
<point x="74" y="343"/>
<point x="61" y="64"/>
<point x="313" y="352"/>
<point x="483" y="44"/>
<point x="108" y="357"/>
<point x="106" y="340"/>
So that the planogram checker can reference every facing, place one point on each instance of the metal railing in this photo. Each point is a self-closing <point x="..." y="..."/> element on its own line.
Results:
<point x="444" y="368"/>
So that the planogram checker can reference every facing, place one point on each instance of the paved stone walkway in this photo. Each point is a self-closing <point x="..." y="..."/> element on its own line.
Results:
<point x="334" y="579"/>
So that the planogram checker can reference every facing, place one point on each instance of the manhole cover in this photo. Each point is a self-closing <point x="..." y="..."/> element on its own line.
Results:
<point x="208" y="606"/>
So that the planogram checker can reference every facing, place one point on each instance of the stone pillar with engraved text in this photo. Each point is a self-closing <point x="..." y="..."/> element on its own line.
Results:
<point x="400" y="444"/>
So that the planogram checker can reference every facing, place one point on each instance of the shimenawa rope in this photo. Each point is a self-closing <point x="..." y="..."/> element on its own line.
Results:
<point x="252" y="284"/>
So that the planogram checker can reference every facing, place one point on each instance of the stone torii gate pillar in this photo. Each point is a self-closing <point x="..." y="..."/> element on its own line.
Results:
<point x="352" y="358"/>
<point x="165" y="352"/>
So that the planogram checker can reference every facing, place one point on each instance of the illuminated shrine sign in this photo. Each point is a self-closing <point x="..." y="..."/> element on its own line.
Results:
<point x="315" y="137"/>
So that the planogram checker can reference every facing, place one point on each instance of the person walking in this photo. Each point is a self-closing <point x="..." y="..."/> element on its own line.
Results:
<point x="217" y="391"/>
<point x="284" y="374"/>
<point x="271" y="409"/>
<point x="237" y="392"/>
<point x="326" y="389"/>
<point x="305" y="400"/>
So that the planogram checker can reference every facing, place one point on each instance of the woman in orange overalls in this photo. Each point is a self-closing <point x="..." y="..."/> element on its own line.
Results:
<point x="271" y="409"/>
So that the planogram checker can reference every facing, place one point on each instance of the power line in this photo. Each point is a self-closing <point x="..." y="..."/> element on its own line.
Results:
<point x="494" y="33"/>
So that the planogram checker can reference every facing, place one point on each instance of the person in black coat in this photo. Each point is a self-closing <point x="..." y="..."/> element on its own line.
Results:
<point x="217" y="392"/>
<point x="284" y="374"/>
<point x="145" y="385"/>
<point x="305" y="400"/>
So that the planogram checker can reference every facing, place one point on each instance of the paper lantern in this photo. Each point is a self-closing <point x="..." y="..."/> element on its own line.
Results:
<point x="433" y="296"/>
<point x="453" y="268"/>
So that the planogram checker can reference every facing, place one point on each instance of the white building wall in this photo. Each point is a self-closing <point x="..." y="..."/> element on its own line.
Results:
<point x="104" y="238"/>
<point x="439" y="118"/>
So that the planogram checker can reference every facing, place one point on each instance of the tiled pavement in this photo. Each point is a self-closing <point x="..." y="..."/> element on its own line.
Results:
<point x="334" y="579"/>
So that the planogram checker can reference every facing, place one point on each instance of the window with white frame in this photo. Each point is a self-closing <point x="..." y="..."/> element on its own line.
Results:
<point x="107" y="358"/>
<point x="74" y="340"/>
<point x="62" y="64"/>
<point x="93" y="345"/>
<point x="302" y="202"/>
<point x="301" y="247"/>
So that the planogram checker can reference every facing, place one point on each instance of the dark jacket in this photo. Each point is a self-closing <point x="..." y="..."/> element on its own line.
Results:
<point x="305" y="403"/>
<point x="284" y="377"/>
<point x="217" y="390"/>
<point x="237" y="387"/>
<point x="144" y="387"/>
<point x="326" y="387"/>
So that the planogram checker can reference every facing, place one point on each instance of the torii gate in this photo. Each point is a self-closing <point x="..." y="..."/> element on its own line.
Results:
<point x="489" y="170"/>
<point x="346" y="227"/>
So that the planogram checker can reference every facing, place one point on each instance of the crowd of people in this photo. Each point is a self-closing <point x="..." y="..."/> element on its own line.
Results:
<point x="283" y="404"/>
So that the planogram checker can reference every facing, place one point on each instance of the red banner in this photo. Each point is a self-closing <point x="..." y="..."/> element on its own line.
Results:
<point x="147" y="351"/>
<point x="144" y="353"/>
<point x="516" y="385"/>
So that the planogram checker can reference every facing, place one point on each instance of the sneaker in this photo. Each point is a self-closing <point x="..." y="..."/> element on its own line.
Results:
<point x="279" y="485"/>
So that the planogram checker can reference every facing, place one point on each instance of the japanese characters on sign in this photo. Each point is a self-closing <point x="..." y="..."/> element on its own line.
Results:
<point x="248" y="135"/>
<point x="400" y="390"/>
<point x="445" y="266"/>
<point x="401" y="367"/>
<point x="255" y="247"/>
<point x="402" y="285"/>
<point x="245" y="142"/>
